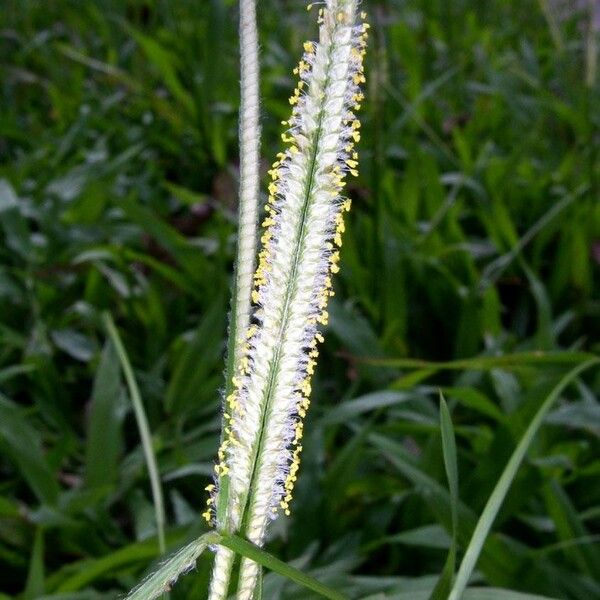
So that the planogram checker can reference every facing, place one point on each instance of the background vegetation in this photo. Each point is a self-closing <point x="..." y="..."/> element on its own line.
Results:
<point x="474" y="240"/>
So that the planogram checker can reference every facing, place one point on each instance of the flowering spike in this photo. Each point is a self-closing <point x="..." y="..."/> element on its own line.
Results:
<point x="261" y="450"/>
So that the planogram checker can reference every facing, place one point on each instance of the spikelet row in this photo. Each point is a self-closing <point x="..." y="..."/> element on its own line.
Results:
<point x="301" y="238"/>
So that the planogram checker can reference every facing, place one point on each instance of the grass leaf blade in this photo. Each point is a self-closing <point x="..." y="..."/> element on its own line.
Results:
<point x="497" y="497"/>
<point x="265" y="559"/>
<point x="144" y="428"/>
<point x="442" y="588"/>
<point x="180" y="563"/>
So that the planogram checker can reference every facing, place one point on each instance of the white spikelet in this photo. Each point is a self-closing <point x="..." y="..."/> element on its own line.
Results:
<point x="300" y="250"/>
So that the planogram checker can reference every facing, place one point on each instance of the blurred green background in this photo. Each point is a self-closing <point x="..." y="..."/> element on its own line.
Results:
<point x="475" y="232"/>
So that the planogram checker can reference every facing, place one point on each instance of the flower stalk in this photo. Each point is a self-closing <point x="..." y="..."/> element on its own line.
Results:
<point x="270" y="393"/>
<point x="248" y="209"/>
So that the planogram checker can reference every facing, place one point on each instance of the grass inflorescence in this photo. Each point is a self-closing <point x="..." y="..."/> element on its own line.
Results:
<point x="470" y="267"/>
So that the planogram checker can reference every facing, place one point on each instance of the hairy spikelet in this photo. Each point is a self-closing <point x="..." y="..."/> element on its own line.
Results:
<point x="260" y="454"/>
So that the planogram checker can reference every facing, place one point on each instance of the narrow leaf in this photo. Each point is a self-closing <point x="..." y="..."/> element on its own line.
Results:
<point x="442" y="588"/>
<point x="35" y="577"/>
<point x="22" y="444"/>
<point x="179" y="564"/>
<point x="144" y="429"/>
<point x="265" y="559"/>
<point x="103" y="439"/>
<point x="494" y="503"/>
<point x="485" y="363"/>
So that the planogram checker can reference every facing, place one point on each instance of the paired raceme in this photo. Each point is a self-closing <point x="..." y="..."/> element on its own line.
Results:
<point x="260" y="453"/>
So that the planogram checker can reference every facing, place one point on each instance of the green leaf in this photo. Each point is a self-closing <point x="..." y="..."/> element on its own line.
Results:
<point x="87" y="595"/>
<point x="143" y="427"/>
<point x="486" y="363"/>
<point x="180" y="563"/>
<point x="442" y="588"/>
<point x="184" y="560"/>
<point x="501" y="558"/>
<point x="473" y="594"/>
<point x="8" y="508"/>
<point x="104" y="441"/>
<point x="166" y="64"/>
<point x="34" y="587"/>
<point x="577" y="415"/>
<point x="14" y="225"/>
<point x="74" y="343"/>
<point x="171" y="274"/>
<point x="475" y="400"/>
<point x="450" y="460"/>
<point x="22" y="443"/>
<point x="494" y="270"/>
<point x="427" y="536"/>
<point x="197" y="360"/>
<point x="364" y="404"/>
<point x="492" y="507"/>
<point x="249" y="550"/>
<point x="15" y="370"/>
<point x="169" y="238"/>
<point x="89" y="570"/>
<point x="185" y="196"/>
<point x="500" y="594"/>
<point x="569" y="527"/>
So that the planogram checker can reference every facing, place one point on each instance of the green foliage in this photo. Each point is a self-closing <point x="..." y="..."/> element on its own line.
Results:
<point x="470" y="266"/>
